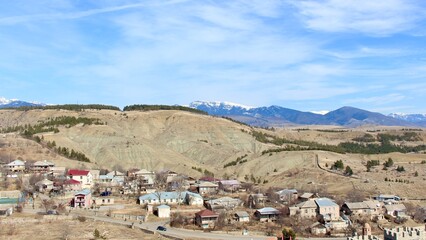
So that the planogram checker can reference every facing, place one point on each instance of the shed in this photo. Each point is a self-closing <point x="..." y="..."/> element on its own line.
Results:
<point x="163" y="211"/>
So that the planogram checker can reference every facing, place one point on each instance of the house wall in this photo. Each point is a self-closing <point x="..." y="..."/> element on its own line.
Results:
<point x="205" y="222"/>
<point x="163" y="212"/>
<point x="244" y="219"/>
<point x="86" y="181"/>
<point x="72" y="187"/>
<point x="15" y="168"/>
<point x="207" y="190"/>
<point x="332" y="210"/>
<point x="82" y="200"/>
<point x="103" y="201"/>
<point x="308" y="212"/>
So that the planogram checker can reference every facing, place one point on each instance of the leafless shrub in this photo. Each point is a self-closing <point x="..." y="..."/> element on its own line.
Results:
<point x="12" y="230"/>
<point x="81" y="218"/>
<point x="47" y="204"/>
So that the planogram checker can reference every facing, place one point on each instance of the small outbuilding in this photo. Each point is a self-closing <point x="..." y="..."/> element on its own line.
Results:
<point x="163" y="211"/>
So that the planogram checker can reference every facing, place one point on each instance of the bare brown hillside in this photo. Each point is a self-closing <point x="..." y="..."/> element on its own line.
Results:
<point x="179" y="141"/>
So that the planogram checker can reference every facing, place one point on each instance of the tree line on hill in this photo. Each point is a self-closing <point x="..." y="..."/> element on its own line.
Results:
<point x="384" y="146"/>
<point x="144" y="107"/>
<point x="51" y="125"/>
<point x="70" y="107"/>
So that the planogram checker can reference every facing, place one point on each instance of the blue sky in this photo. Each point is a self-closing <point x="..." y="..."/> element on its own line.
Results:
<point x="302" y="54"/>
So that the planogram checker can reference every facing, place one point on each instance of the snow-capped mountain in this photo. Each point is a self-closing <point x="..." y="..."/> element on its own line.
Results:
<point x="220" y="108"/>
<point x="15" y="103"/>
<point x="279" y="116"/>
<point x="418" y="119"/>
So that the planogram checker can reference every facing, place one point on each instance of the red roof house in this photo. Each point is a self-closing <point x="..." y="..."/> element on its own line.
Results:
<point x="206" y="218"/>
<point x="72" y="185"/>
<point x="83" y="176"/>
<point x="77" y="172"/>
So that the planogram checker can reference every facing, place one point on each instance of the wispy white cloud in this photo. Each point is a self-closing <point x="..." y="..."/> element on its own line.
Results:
<point x="369" y="17"/>
<point x="378" y="100"/>
<point x="11" y="20"/>
<point x="254" y="52"/>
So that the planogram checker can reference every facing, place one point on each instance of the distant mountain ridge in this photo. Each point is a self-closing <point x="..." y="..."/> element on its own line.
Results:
<point x="275" y="116"/>
<point x="15" y="103"/>
<point x="418" y="119"/>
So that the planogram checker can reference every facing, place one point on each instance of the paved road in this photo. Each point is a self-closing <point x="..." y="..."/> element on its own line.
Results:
<point x="175" y="232"/>
<point x="191" y="234"/>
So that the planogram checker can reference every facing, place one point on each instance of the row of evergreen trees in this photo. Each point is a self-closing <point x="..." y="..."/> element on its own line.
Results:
<point x="66" y="152"/>
<point x="144" y="107"/>
<point x="385" y="146"/>
<point x="51" y="125"/>
<point x="71" y="107"/>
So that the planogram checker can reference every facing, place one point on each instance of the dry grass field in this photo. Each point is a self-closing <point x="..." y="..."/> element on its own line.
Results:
<point x="20" y="226"/>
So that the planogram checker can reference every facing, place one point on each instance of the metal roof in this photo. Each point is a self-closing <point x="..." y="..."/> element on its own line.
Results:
<point x="168" y="195"/>
<point x="83" y="192"/>
<point x="325" y="202"/>
<point x="268" y="210"/>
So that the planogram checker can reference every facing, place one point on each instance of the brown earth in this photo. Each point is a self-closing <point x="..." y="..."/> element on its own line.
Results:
<point x="179" y="141"/>
<point x="21" y="226"/>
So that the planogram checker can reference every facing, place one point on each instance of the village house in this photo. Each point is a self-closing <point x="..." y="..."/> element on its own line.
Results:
<point x="99" y="201"/>
<point x="306" y="196"/>
<point x="206" y="218"/>
<point x="42" y="166"/>
<point x="224" y="202"/>
<point x="82" y="198"/>
<point x="15" y="166"/>
<point x="95" y="174"/>
<point x="318" y="229"/>
<point x="387" y="198"/>
<point x="229" y="185"/>
<point x="395" y="210"/>
<point x="57" y="171"/>
<point x="70" y="185"/>
<point x="83" y="176"/>
<point x="157" y="198"/>
<point x="205" y="188"/>
<point x="171" y="176"/>
<point x="365" y="208"/>
<point x="242" y="216"/>
<point x="288" y="195"/>
<point x="6" y="209"/>
<point x="328" y="209"/>
<point x="267" y="214"/>
<point x="44" y="185"/>
<point x="162" y="211"/>
<point x="114" y="178"/>
<point x="256" y="199"/>
<point x="307" y="209"/>
<point x="146" y="176"/>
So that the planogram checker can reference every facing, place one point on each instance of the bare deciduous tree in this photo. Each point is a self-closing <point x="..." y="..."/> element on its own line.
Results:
<point x="272" y="195"/>
<point x="355" y="196"/>
<point x="47" y="204"/>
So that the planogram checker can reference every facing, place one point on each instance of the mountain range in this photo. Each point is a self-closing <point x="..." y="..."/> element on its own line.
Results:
<point x="15" y="103"/>
<point x="276" y="116"/>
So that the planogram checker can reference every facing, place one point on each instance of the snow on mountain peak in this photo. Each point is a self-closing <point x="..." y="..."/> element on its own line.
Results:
<point x="225" y="105"/>
<point x="321" y="112"/>
<point x="4" y="101"/>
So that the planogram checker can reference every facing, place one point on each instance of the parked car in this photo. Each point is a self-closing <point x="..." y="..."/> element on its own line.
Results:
<point x="106" y="193"/>
<point x="161" y="228"/>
